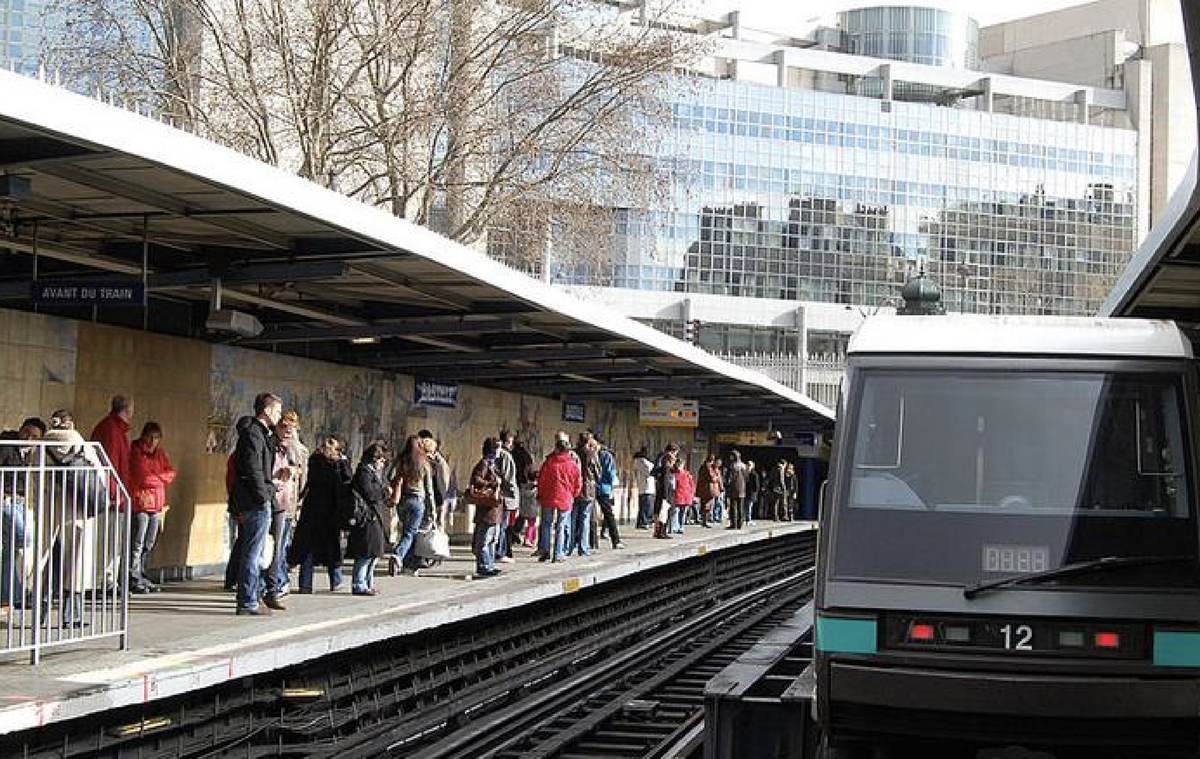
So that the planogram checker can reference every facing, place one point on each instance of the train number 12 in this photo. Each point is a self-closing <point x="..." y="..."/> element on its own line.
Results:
<point x="1017" y="637"/>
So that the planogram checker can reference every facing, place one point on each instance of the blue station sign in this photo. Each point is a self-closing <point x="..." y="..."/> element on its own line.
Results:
<point x="88" y="293"/>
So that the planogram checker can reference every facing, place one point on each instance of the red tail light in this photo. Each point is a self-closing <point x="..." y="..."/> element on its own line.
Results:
<point x="921" y="632"/>
<point x="1108" y="640"/>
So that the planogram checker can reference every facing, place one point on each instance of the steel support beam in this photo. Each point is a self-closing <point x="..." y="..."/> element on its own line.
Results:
<point x="405" y="328"/>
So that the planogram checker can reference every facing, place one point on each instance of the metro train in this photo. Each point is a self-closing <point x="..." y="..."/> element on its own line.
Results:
<point x="1008" y="543"/>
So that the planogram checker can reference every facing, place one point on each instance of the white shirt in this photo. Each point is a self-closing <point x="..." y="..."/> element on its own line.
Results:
<point x="641" y="469"/>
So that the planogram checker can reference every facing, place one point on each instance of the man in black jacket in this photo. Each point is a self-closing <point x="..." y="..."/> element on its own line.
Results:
<point x="253" y="500"/>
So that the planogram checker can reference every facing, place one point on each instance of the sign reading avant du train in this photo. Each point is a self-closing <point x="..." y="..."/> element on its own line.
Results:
<point x="430" y="393"/>
<point x="669" y="412"/>
<point x="89" y="293"/>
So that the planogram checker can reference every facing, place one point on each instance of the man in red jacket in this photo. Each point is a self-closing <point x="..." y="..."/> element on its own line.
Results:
<point x="559" y="484"/>
<point x="112" y="433"/>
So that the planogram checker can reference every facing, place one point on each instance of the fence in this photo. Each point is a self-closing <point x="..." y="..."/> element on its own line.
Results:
<point x="819" y="377"/>
<point x="64" y="543"/>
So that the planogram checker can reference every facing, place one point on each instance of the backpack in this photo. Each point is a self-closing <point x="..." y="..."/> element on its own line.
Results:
<point x="608" y="469"/>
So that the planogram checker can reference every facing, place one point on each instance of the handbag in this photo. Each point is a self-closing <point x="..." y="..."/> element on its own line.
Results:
<point x="268" y="552"/>
<point x="431" y="544"/>
<point x="483" y="496"/>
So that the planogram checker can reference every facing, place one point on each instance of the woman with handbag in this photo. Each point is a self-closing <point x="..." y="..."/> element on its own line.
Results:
<point x="150" y="472"/>
<point x="368" y="539"/>
<point x="484" y="494"/>
<point x="412" y="489"/>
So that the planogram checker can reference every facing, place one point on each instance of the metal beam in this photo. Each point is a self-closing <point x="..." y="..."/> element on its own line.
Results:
<point x="379" y="361"/>
<point x="138" y="194"/>
<point x="409" y="328"/>
<point x="505" y="372"/>
<point x="33" y="152"/>
<point x="440" y="294"/>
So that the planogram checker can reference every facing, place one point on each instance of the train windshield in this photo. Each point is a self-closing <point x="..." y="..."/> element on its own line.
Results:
<point x="958" y="477"/>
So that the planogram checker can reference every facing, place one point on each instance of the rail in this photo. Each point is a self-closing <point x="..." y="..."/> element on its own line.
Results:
<point x="64" y="543"/>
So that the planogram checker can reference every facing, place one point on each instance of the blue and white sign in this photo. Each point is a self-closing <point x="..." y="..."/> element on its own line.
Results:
<point x="574" y="411"/>
<point x="441" y="394"/>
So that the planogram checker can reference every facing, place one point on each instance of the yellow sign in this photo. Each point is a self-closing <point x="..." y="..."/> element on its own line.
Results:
<point x="668" y="412"/>
<point x="745" y="438"/>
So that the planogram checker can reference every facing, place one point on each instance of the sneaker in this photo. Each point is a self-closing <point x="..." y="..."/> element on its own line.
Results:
<point x="367" y="592"/>
<point x="407" y="572"/>
<point x="619" y="545"/>
<point x="337" y="587"/>
<point x="139" y="589"/>
<point x="257" y="611"/>
<point x="506" y="560"/>
<point x="273" y="603"/>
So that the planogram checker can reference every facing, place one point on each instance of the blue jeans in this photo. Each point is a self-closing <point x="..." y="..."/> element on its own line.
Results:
<point x="412" y="511"/>
<point x="552" y="533"/>
<point x="252" y="533"/>
<point x="750" y="508"/>
<point x="581" y="520"/>
<point x="276" y="575"/>
<point x="306" y="575"/>
<point x="645" y="510"/>
<point x="718" y="508"/>
<point x="486" y="543"/>
<point x="675" y="520"/>
<point x="12" y="535"/>
<point x="364" y="575"/>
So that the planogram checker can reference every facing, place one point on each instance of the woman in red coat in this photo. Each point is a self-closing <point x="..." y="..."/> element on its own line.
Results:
<point x="150" y="472"/>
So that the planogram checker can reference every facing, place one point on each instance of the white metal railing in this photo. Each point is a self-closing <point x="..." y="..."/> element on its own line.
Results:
<point x="819" y="377"/>
<point x="64" y="546"/>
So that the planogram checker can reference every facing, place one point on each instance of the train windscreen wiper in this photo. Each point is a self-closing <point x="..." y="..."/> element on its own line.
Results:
<point x="1081" y="567"/>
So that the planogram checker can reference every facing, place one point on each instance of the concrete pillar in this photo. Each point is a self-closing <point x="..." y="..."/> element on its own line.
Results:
<point x="1083" y="100"/>
<point x="985" y="99"/>
<point x="779" y="58"/>
<point x="885" y="73"/>
<point x="802" y="350"/>
<point x="735" y="24"/>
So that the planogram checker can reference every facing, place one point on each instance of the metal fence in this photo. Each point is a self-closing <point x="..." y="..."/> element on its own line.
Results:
<point x="64" y="543"/>
<point x="819" y="376"/>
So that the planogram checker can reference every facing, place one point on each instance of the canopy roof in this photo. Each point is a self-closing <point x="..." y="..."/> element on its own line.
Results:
<point x="101" y="193"/>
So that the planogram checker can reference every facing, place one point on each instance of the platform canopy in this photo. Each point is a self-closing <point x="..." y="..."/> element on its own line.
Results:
<point x="1162" y="281"/>
<point x="92" y="195"/>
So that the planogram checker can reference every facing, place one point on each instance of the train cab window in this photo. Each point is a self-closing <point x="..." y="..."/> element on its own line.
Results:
<point x="1079" y="464"/>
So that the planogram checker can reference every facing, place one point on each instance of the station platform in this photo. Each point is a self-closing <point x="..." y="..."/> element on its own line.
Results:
<point x="188" y="638"/>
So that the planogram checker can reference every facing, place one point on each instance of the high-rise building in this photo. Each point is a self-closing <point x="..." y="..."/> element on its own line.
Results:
<point x="1018" y="165"/>
<point x="21" y="27"/>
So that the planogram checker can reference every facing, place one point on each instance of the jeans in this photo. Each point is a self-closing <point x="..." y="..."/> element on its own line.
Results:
<point x="750" y="500"/>
<point x="252" y="534"/>
<point x="276" y="575"/>
<point x="145" y="533"/>
<point x="552" y="533"/>
<point x="718" y="508"/>
<point x="411" y="513"/>
<point x="675" y="520"/>
<point x="486" y="545"/>
<point x="610" y="519"/>
<point x="504" y="533"/>
<point x="645" y="510"/>
<point x="581" y="520"/>
<point x="13" y="537"/>
<point x="364" y="575"/>
<point x="306" y="575"/>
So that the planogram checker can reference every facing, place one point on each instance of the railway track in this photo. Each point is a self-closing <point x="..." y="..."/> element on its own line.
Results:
<point x="407" y="696"/>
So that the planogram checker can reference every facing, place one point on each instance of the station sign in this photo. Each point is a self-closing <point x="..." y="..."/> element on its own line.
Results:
<point x="431" y="393"/>
<point x="668" y="412"/>
<point x="574" y="411"/>
<point x="88" y="293"/>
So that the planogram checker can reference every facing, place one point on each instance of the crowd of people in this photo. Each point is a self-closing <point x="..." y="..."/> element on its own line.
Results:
<point x="295" y="508"/>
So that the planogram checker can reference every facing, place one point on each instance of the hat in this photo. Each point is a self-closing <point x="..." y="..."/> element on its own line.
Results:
<point x="62" y="419"/>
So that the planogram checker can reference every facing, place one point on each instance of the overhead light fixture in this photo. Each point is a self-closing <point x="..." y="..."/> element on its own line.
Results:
<point x="370" y="340"/>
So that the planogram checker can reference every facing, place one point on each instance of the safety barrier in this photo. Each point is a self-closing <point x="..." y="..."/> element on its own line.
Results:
<point x="64" y="546"/>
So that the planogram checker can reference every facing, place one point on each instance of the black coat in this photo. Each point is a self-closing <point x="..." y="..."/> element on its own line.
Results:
<point x="368" y="537"/>
<point x="318" y="531"/>
<point x="254" y="464"/>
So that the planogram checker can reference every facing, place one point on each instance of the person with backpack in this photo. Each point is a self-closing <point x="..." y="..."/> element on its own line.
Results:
<point x="367" y="543"/>
<point x="328" y="500"/>
<point x="606" y="483"/>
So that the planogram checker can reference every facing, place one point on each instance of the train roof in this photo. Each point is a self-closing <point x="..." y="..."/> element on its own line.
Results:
<point x="1020" y="335"/>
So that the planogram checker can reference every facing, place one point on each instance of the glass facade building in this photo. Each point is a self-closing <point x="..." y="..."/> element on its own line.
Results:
<point x="21" y="25"/>
<point x="814" y="196"/>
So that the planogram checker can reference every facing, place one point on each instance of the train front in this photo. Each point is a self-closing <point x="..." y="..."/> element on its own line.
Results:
<point x="1009" y="550"/>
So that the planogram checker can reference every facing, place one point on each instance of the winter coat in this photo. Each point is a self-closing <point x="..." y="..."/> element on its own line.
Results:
<point x="559" y="481"/>
<point x="112" y="433"/>
<point x="664" y="481"/>
<point x="253" y="465"/>
<point x="737" y="480"/>
<point x="368" y="537"/>
<point x="685" y="487"/>
<point x="643" y="469"/>
<point x="506" y="470"/>
<point x="753" y="482"/>
<point x="484" y="476"/>
<point x="708" y="482"/>
<point x="149" y="475"/>
<point x="608" y="473"/>
<point x="589" y="468"/>
<point x="318" y="531"/>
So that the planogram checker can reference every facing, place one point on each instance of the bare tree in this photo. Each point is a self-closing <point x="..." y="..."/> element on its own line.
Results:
<point x="531" y="116"/>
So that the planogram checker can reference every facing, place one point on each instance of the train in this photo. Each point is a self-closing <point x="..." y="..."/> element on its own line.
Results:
<point x="1008" y="539"/>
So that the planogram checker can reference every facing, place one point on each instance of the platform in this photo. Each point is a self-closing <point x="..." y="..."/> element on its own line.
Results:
<point x="188" y="637"/>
